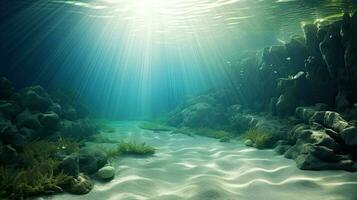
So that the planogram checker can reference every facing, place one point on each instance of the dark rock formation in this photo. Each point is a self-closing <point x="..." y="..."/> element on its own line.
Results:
<point x="323" y="141"/>
<point x="91" y="159"/>
<point x="70" y="165"/>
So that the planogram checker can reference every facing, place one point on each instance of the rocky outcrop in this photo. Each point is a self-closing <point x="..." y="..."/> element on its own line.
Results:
<point x="319" y="67"/>
<point x="320" y="143"/>
<point x="91" y="159"/>
<point x="208" y="110"/>
<point x="31" y="115"/>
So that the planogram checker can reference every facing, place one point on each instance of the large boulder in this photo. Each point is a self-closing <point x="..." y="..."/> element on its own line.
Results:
<point x="29" y="120"/>
<point x="91" y="159"/>
<point x="349" y="136"/>
<point x="78" y="129"/>
<point x="70" y="165"/>
<point x="242" y="121"/>
<point x="302" y="133"/>
<point x="49" y="121"/>
<point x="70" y="113"/>
<point x="9" y="109"/>
<point x="34" y="98"/>
<point x="199" y="115"/>
<point x="9" y="134"/>
<point x="56" y="108"/>
<point x="311" y="162"/>
<point x="316" y="149"/>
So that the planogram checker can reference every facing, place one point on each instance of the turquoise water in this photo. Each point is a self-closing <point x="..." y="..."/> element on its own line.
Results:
<point x="140" y="58"/>
<point x="178" y="99"/>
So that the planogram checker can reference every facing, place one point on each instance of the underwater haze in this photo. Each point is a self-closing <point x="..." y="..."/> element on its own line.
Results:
<point x="178" y="99"/>
<point x="131" y="59"/>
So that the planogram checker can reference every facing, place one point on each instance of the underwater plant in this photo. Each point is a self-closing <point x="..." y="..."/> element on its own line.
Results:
<point x="261" y="139"/>
<point x="155" y="126"/>
<point x="38" y="176"/>
<point x="69" y="145"/>
<point x="135" y="148"/>
<point x="130" y="148"/>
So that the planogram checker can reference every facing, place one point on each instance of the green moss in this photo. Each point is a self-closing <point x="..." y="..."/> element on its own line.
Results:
<point x="39" y="175"/>
<point x="69" y="145"/>
<point x="261" y="139"/>
<point x="135" y="148"/>
<point x="155" y="126"/>
<point x="130" y="148"/>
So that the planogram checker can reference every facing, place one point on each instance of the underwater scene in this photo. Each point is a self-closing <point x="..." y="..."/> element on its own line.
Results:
<point x="178" y="99"/>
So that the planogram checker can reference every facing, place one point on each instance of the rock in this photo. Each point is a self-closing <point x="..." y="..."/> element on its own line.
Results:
<point x="328" y="119"/>
<point x="56" y="108"/>
<point x="70" y="165"/>
<point x="281" y="149"/>
<point x="10" y="135"/>
<point x="9" y="109"/>
<point x="106" y="172"/>
<point x="79" y="129"/>
<point x="6" y="89"/>
<point x="310" y="162"/>
<point x="349" y="135"/>
<point x="70" y="113"/>
<point x="248" y="143"/>
<point x="28" y="133"/>
<point x="80" y="185"/>
<point x="49" y="120"/>
<point x="199" y="115"/>
<point x="293" y="152"/>
<point x="34" y="98"/>
<point x="243" y="122"/>
<point x="91" y="159"/>
<point x="312" y="42"/>
<point x="28" y="120"/>
<point x="302" y="133"/>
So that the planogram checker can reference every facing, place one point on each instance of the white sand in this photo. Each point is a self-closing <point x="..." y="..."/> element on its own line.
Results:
<point x="201" y="168"/>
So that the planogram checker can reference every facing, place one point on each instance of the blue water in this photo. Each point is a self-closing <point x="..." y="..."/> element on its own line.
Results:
<point x="140" y="58"/>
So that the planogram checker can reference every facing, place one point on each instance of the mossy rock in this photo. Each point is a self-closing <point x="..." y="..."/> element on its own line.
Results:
<point x="130" y="148"/>
<point x="80" y="185"/>
<point x="261" y="139"/>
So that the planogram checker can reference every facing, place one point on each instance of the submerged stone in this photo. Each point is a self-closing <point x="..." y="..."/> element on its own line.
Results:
<point x="248" y="143"/>
<point x="80" y="185"/>
<point x="106" y="172"/>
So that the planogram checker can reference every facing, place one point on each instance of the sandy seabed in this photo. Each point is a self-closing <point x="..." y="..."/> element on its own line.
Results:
<point x="200" y="168"/>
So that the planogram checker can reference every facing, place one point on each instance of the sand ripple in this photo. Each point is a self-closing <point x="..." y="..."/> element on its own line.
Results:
<point x="200" y="168"/>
